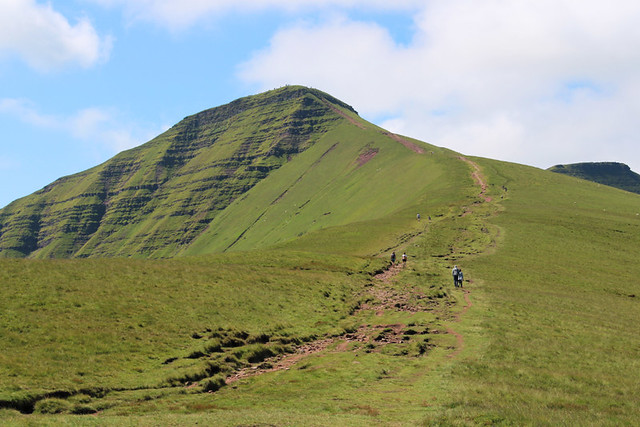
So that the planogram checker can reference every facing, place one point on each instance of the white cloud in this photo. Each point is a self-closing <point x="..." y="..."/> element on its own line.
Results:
<point x="45" y="39"/>
<point x="25" y="111"/>
<point x="538" y="82"/>
<point x="103" y="127"/>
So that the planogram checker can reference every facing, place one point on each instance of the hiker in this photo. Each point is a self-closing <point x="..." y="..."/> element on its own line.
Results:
<point x="404" y="259"/>
<point x="455" y="273"/>
<point x="418" y="217"/>
<point x="460" y="277"/>
<point x="393" y="257"/>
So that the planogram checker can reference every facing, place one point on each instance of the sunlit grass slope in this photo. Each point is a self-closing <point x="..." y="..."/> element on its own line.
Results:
<point x="261" y="170"/>
<point x="97" y="326"/>
<point x="550" y="338"/>
<point x="116" y="335"/>
<point x="351" y="175"/>
<point x="551" y="264"/>
<point x="561" y="299"/>
<point x="153" y="200"/>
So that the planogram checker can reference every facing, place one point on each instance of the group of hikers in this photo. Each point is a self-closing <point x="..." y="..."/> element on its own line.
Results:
<point x="393" y="258"/>
<point x="458" y="276"/>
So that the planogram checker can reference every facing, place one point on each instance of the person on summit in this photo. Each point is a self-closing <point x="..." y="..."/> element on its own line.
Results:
<point x="455" y="273"/>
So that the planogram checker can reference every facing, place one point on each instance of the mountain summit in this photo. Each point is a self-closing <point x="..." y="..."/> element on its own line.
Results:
<point x="613" y="174"/>
<point x="185" y="185"/>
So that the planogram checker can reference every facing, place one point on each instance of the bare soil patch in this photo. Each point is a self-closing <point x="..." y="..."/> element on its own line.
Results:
<point x="366" y="156"/>
<point x="410" y="145"/>
<point x="478" y="178"/>
<point x="375" y="337"/>
<point x="343" y="114"/>
<point x="458" y="317"/>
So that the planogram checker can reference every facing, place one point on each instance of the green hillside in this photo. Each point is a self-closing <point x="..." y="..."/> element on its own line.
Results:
<point x="283" y="308"/>
<point x="154" y="200"/>
<point x="616" y="175"/>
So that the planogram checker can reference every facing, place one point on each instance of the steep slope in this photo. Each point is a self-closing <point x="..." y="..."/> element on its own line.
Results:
<point x="260" y="171"/>
<point x="613" y="174"/>
<point x="351" y="175"/>
<point x="155" y="199"/>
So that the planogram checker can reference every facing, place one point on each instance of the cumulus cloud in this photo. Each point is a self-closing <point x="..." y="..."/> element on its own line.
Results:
<point x="45" y="39"/>
<point x="534" y="82"/>
<point x="104" y="127"/>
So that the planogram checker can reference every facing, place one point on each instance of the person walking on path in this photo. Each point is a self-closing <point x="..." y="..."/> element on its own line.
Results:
<point x="404" y="259"/>
<point x="455" y="273"/>
<point x="393" y="257"/>
<point x="460" y="277"/>
<point x="418" y="217"/>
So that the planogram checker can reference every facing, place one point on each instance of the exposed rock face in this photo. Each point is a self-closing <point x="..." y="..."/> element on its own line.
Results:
<point x="156" y="198"/>
<point x="612" y="174"/>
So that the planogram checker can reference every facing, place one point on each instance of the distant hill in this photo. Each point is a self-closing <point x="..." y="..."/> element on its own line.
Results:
<point x="613" y="174"/>
<point x="252" y="173"/>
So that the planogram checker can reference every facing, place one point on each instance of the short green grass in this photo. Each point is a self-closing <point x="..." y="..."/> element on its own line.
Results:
<point x="110" y="324"/>
<point x="557" y="336"/>
<point x="549" y="340"/>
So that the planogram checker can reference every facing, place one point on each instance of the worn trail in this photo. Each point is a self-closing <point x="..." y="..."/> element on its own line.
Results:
<point x="384" y="299"/>
<point x="481" y="182"/>
<point x="393" y="333"/>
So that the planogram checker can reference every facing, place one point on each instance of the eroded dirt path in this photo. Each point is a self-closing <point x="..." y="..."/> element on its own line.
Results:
<point x="410" y="145"/>
<point x="481" y="182"/>
<point x="384" y="298"/>
<point x="478" y="178"/>
<point x="458" y="318"/>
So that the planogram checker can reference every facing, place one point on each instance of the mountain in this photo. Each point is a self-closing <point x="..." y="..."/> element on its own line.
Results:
<point x="252" y="173"/>
<point x="613" y="174"/>
<point x="289" y="312"/>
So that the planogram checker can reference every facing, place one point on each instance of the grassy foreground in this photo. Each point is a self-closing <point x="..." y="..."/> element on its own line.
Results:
<point x="558" y="342"/>
<point x="550" y="337"/>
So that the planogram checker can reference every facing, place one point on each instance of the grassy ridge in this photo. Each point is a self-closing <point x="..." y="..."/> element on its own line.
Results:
<point x="259" y="171"/>
<point x="327" y="186"/>
<point x="616" y="175"/>
<point x="558" y="342"/>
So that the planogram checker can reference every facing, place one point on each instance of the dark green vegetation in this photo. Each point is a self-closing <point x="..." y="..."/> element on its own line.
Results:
<point x="616" y="175"/>
<point x="281" y="296"/>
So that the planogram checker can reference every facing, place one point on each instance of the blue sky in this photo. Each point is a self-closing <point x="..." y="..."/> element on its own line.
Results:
<point x="534" y="82"/>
